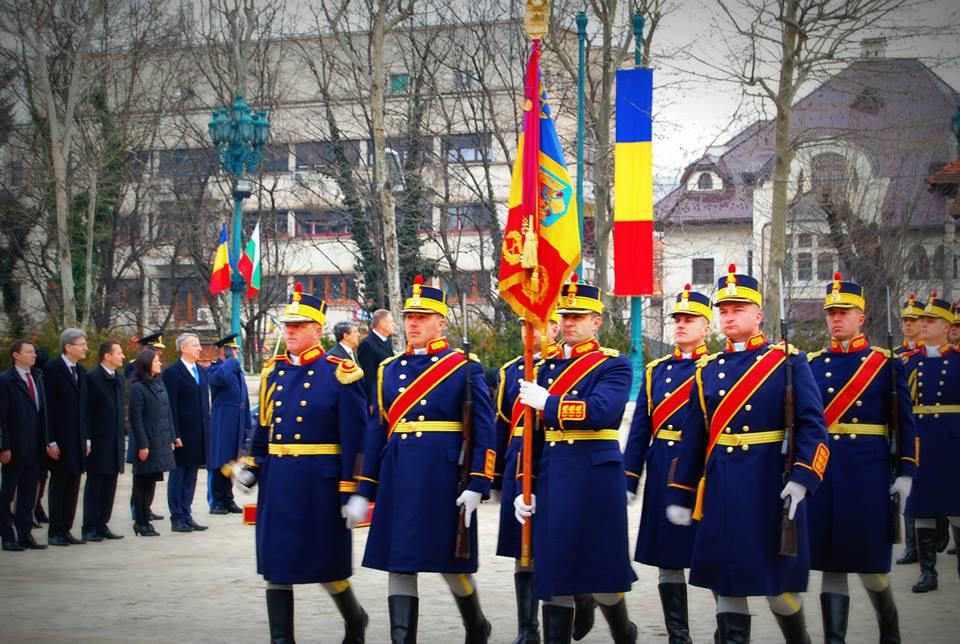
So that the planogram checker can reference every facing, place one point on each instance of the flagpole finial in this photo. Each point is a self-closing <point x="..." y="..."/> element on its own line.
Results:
<point x="536" y="18"/>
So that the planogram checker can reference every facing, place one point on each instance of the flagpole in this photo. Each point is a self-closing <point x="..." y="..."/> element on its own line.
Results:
<point x="526" y="556"/>
<point x="636" y="302"/>
<point x="581" y="101"/>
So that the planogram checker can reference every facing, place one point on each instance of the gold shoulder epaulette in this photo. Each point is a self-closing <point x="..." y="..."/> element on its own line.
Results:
<point x="703" y="360"/>
<point x="886" y="352"/>
<point x="654" y="363"/>
<point x="814" y="355"/>
<point x="607" y="351"/>
<point x="506" y="364"/>
<point x="473" y="356"/>
<point x="348" y="371"/>
<point x="779" y="346"/>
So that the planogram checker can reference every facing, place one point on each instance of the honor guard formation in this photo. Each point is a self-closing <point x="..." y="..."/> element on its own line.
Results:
<point x="758" y="463"/>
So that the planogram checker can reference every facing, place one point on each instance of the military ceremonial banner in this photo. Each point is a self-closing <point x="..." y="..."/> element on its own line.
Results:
<point x="541" y="241"/>
<point x="220" y="277"/>
<point x="249" y="264"/>
<point x="633" y="184"/>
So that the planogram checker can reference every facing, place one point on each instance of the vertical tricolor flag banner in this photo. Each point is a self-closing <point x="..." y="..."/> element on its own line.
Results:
<point x="541" y="241"/>
<point x="633" y="184"/>
<point x="220" y="277"/>
<point x="249" y="264"/>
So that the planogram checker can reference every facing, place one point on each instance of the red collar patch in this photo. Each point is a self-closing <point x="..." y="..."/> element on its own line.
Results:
<point x="701" y="350"/>
<point x="434" y="346"/>
<point x="753" y="342"/>
<point x="584" y="347"/>
<point x="856" y="344"/>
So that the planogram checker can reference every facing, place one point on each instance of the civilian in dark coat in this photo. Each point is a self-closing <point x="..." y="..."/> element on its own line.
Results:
<point x="22" y="439"/>
<point x="189" y="395"/>
<point x="151" y="434"/>
<point x="68" y="437"/>
<point x="230" y="422"/>
<point x="374" y="349"/>
<point x="107" y="428"/>
<point x="39" y="514"/>
<point x="347" y="337"/>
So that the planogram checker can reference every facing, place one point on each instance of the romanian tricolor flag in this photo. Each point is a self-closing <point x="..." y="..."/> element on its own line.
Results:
<point x="220" y="277"/>
<point x="633" y="184"/>
<point x="541" y="241"/>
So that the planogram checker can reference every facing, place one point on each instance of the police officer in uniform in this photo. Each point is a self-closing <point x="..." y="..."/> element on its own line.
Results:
<point x="509" y="444"/>
<point x="729" y="470"/>
<point x="303" y="454"/>
<point x="849" y="518"/>
<point x="413" y="449"/>
<point x="230" y="423"/>
<point x="654" y="440"/>
<point x="934" y="376"/>
<point x="580" y="491"/>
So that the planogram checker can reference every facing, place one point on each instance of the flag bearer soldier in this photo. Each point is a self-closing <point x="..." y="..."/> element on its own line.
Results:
<point x="934" y="375"/>
<point x="414" y="446"/>
<point x="303" y="455"/>
<point x="580" y="491"/>
<point x="850" y="516"/>
<point x="655" y="436"/>
<point x="509" y="444"/>
<point x="730" y="468"/>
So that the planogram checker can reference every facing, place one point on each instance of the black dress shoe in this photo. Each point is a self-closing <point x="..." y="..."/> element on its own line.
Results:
<point x="196" y="526"/>
<point x="31" y="544"/>
<point x="145" y="530"/>
<point x="217" y="509"/>
<point x="92" y="536"/>
<point x="155" y="517"/>
<point x="180" y="526"/>
<point x="58" y="540"/>
<point x="72" y="539"/>
<point x="41" y="516"/>
<point x="233" y="508"/>
<point x="107" y="533"/>
<point x="13" y="546"/>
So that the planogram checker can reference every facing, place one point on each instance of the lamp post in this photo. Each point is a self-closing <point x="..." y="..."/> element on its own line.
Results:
<point x="238" y="140"/>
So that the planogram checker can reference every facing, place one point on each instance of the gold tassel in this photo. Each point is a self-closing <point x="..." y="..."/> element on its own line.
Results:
<point x="698" y="506"/>
<point x="535" y="280"/>
<point x="529" y="257"/>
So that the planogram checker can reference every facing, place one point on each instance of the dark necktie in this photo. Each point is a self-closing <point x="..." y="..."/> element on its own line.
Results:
<point x="31" y="389"/>
<point x="73" y="372"/>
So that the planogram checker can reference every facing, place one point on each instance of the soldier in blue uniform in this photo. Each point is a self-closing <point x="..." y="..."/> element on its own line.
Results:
<point x="312" y="409"/>
<point x="230" y="423"/>
<point x="849" y="518"/>
<point x="413" y="451"/>
<point x="150" y="341"/>
<point x="910" y="326"/>
<point x="509" y="444"/>
<point x="730" y="469"/>
<point x="580" y="491"/>
<point x="654" y="441"/>
<point x="933" y="372"/>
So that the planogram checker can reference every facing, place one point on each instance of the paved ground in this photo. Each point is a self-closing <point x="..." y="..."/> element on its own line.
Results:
<point x="202" y="587"/>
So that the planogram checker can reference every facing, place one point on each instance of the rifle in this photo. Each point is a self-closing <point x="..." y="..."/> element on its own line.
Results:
<point x="461" y="547"/>
<point x="893" y="434"/>
<point x="788" y="526"/>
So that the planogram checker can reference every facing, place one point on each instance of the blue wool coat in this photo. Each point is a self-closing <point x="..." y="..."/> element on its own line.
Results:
<point x="229" y="412"/>
<point x="659" y="542"/>
<point x="580" y="542"/>
<point x="848" y="517"/>
<point x="301" y="536"/>
<point x="736" y="552"/>
<point x="413" y="476"/>
<point x="935" y="382"/>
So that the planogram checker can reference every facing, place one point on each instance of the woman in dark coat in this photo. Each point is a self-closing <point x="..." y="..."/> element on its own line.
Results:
<point x="152" y="433"/>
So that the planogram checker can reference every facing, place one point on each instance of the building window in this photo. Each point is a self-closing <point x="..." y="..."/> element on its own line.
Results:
<point x="702" y="270"/>
<point x="825" y="266"/>
<point x="463" y="79"/>
<point x="705" y="182"/>
<point x="399" y="83"/>
<point x="318" y="155"/>
<point x="472" y="216"/>
<point x="126" y="294"/>
<point x="276" y="158"/>
<point x="468" y="148"/>
<point x="273" y="223"/>
<point x="829" y="180"/>
<point x="804" y="267"/>
<point x="805" y="240"/>
<point x="324" y="223"/>
<point x="401" y="146"/>
<point x="187" y="162"/>
<point x="919" y="266"/>
<point x="475" y="283"/>
<point x="333" y="288"/>
<point x="185" y="295"/>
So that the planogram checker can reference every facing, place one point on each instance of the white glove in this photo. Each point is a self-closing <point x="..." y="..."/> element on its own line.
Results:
<point x="355" y="510"/>
<point x="244" y="478"/>
<point x="631" y="497"/>
<point x="470" y="501"/>
<point x="796" y="494"/>
<point x="521" y="510"/>
<point x="679" y="515"/>
<point x="533" y="395"/>
<point x="902" y="487"/>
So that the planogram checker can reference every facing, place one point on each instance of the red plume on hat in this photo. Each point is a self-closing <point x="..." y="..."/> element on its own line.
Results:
<point x="731" y="278"/>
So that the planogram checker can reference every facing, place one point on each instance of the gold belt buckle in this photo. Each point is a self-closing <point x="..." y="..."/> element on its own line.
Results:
<point x="737" y="441"/>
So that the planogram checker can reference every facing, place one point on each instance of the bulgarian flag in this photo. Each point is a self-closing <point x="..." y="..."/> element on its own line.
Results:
<point x="541" y="241"/>
<point x="249" y="264"/>
<point x="633" y="184"/>
<point x="220" y="277"/>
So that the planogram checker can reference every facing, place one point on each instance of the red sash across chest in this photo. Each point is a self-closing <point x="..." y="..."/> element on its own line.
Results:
<point x="567" y="380"/>
<point x="855" y="387"/>
<point x="419" y="388"/>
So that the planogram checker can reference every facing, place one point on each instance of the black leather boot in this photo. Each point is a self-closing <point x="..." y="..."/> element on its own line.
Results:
<point x="584" y="615"/>
<point x="280" y="615"/>
<point x="887" y="618"/>
<point x="557" y="624"/>
<point x="793" y="627"/>
<point x="910" y="542"/>
<point x="673" y="599"/>
<point x="474" y="623"/>
<point x="355" y="619"/>
<point x="528" y="625"/>
<point x="927" y="553"/>
<point x="404" y="611"/>
<point x="733" y="628"/>
<point x="835" y="609"/>
<point x="621" y="628"/>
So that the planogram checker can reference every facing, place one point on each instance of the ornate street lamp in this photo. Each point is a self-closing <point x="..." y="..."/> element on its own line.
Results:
<point x="238" y="140"/>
